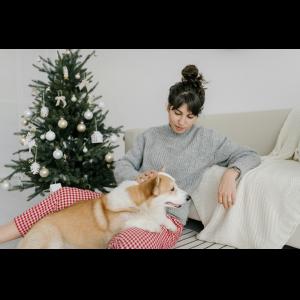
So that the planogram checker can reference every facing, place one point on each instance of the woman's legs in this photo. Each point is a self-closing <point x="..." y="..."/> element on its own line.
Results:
<point x="136" y="238"/>
<point x="56" y="201"/>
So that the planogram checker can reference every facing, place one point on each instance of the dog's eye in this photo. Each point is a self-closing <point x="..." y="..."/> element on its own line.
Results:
<point x="173" y="189"/>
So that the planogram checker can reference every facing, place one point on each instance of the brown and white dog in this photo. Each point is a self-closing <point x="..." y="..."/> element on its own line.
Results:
<point x="92" y="223"/>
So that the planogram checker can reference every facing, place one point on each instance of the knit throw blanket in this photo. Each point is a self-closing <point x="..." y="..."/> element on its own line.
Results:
<point x="267" y="208"/>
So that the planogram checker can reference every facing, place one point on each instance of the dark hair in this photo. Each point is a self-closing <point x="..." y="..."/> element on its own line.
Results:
<point x="189" y="91"/>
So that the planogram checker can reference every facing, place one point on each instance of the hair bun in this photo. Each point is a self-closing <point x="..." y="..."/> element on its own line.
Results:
<point x="190" y="73"/>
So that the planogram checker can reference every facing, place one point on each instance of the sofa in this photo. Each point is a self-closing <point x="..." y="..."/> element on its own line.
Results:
<point x="258" y="130"/>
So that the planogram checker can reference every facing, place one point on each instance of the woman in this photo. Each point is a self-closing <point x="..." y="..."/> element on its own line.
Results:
<point x="184" y="150"/>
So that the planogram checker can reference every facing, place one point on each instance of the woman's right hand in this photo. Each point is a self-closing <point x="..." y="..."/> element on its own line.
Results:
<point x="146" y="176"/>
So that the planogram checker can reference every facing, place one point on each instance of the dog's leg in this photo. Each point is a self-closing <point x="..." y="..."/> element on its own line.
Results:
<point x="42" y="236"/>
<point x="169" y="224"/>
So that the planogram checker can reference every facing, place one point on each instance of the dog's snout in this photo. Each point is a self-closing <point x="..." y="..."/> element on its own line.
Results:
<point x="188" y="198"/>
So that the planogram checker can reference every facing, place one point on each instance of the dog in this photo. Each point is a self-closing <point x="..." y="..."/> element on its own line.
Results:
<point x="93" y="223"/>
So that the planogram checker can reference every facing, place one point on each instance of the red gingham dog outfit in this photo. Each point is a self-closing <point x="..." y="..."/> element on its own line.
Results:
<point x="132" y="238"/>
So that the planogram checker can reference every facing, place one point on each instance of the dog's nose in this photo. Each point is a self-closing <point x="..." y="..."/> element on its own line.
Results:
<point x="188" y="198"/>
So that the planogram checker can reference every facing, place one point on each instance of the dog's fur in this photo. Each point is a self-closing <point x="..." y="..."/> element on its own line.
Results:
<point x="92" y="223"/>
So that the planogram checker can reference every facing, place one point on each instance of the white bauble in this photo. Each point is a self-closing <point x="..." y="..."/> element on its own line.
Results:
<point x="88" y="115"/>
<point x="81" y="127"/>
<point x="73" y="99"/>
<point x="50" y="136"/>
<point x="42" y="137"/>
<point x="57" y="154"/>
<point x="44" y="172"/>
<point x="109" y="157"/>
<point x="77" y="76"/>
<point x="101" y="104"/>
<point x="113" y="138"/>
<point x="62" y="123"/>
<point x="28" y="113"/>
<point x="5" y="185"/>
<point x="85" y="150"/>
<point x="44" y="112"/>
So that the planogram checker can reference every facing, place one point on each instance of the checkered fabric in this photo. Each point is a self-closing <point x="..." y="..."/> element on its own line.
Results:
<point x="56" y="201"/>
<point x="132" y="238"/>
<point x="136" y="238"/>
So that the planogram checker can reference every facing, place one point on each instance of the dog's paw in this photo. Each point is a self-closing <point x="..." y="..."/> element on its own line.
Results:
<point x="170" y="225"/>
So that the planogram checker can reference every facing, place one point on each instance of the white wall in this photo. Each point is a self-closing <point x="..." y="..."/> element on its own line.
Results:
<point x="135" y="84"/>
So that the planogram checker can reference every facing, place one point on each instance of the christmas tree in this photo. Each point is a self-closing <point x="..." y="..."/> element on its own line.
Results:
<point x="64" y="132"/>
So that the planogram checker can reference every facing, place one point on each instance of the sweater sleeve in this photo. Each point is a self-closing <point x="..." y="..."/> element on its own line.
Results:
<point x="230" y="154"/>
<point x="127" y="168"/>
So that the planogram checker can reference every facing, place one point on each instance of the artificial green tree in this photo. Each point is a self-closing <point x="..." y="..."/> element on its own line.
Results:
<point x="64" y="131"/>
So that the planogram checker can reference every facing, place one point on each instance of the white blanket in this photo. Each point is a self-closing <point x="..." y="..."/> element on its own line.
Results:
<point x="267" y="208"/>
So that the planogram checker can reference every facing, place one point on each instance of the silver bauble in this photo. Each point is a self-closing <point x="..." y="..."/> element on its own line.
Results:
<point x="50" y="136"/>
<point x="73" y="99"/>
<point x="57" y="154"/>
<point x="5" y="185"/>
<point x="62" y="123"/>
<point x="81" y="127"/>
<point x="109" y="157"/>
<point x="88" y="115"/>
<point x="28" y="114"/>
<point x="77" y="76"/>
<point x="44" y="172"/>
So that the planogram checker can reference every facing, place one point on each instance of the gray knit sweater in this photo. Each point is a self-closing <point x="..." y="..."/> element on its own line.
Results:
<point x="185" y="156"/>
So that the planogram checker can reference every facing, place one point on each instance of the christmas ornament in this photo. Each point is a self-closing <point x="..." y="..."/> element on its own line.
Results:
<point x="83" y="83"/>
<point x="109" y="157"/>
<point x="85" y="150"/>
<point x="97" y="137"/>
<point x="42" y="137"/>
<point x="44" y="112"/>
<point x="50" y="136"/>
<point x="57" y="154"/>
<point x="44" y="172"/>
<point x="35" y="167"/>
<point x="88" y="115"/>
<point x="101" y="104"/>
<point x="24" y="122"/>
<point x="62" y="123"/>
<point x="66" y="73"/>
<point x="113" y="138"/>
<point x="77" y="76"/>
<point x="61" y="98"/>
<point x="22" y="140"/>
<point x="73" y="99"/>
<point x="5" y="185"/>
<point x="81" y="127"/>
<point x="28" y="114"/>
<point x="55" y="187"/>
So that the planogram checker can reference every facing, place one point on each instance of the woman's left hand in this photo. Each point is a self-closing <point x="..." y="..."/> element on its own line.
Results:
<point x="227" y="188"/>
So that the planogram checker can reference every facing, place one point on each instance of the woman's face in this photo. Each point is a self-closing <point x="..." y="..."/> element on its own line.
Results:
<point x="181" y="119"/>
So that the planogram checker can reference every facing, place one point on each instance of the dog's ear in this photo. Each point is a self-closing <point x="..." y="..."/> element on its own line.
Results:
<point x="155" y="191"/>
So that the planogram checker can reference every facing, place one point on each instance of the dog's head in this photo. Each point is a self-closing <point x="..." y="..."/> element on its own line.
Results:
<point x="160" y="190"/>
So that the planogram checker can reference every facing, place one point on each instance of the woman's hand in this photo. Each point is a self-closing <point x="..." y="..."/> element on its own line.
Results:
<point x="227" y="188"/>
<point x="146" y="176"/>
